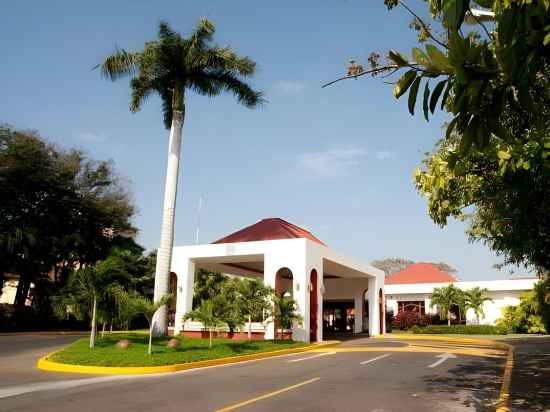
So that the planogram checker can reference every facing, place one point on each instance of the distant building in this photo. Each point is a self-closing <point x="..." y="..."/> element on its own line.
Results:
<point x="411" y="289"/>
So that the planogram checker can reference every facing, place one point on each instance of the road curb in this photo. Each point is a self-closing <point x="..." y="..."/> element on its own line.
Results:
<point x="47" y="365"/>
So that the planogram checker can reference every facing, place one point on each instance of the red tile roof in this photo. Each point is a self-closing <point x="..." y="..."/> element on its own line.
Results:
<point x="420" y="273"/>
<point x="269" y="229"/>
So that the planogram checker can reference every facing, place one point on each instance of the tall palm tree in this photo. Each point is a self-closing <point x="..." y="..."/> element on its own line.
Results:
<point x="170" y="66"/>
<point x="475" y="298"/>
<point x="445" y="297"/>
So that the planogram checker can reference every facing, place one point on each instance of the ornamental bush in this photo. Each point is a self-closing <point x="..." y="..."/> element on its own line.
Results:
<point x="460" y="329"/>
<point x="407" y="319"/>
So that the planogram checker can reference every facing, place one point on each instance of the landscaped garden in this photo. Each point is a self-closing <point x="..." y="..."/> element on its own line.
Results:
<point x="106" y="352"/>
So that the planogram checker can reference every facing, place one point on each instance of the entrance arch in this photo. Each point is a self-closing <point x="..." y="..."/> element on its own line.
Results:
<point x="313" y="306"/>
<point x="284" y="287"/>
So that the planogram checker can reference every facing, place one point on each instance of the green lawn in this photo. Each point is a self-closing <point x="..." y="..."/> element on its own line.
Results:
<point x="191" y="349"/>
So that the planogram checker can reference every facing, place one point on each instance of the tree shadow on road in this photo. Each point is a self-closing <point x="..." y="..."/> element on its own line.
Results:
<point x="530" y="389"/>
<point x="475" y="385"/>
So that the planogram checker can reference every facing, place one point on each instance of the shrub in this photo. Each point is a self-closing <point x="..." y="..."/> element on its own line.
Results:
<point x="407" y="319"/>
<point x="460" y="329"/>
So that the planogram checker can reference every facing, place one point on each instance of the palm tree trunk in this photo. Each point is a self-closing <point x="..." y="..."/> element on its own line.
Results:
<point x="150" y="349"/>
<point x="249" y="327"/>
<point x="210" y="337"/>
<point x="449" y="318"/>
<point x="164" y="253"/>
<point x="103" y="331"/>
<point x="93" y="332"/>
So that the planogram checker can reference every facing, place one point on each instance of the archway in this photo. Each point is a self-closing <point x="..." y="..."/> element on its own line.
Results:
<point x="313" y="306"/>
<point x="283" y="288"/>
<point x="382" y="311"/>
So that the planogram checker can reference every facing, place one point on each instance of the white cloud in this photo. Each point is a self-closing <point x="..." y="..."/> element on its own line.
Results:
<point x="92" y="137"/>
<point x="287" y="86"/>
<point x="334" y="162"/>
<point x="383" y="154"/>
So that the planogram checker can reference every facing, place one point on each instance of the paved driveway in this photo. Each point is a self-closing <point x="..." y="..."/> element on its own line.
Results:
<point x="358" y="376"/>
<point x="19" y="353"/>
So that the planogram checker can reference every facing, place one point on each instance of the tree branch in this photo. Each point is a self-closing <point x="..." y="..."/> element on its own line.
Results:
<point x="424" y="25"/>
<point x="380" y="69"/>
<point x="480" y="23"/>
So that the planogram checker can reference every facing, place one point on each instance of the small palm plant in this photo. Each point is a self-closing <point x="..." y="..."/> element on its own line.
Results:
<point x="133" y="305"/>
<point x="444" y="298"/>
<point x="475" y="298"/>
<point x="169" y="67"/>
<point x="285" y="313"/>
<point x="206" y="314"/>
<point x="254" y="300"/>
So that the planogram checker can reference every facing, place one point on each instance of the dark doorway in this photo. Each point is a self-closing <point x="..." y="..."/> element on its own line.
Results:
<point x="338" y="317"/>
<point x="313" y="307"/>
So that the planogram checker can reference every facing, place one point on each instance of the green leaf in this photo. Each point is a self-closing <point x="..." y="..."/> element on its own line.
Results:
<point x="454" y="12"/>
<point x="438" y="59"/>
<point x="546" y="39"/>
<point x="404" y="83"/>
<point x="425" y="105"/>
<point x="450" y="127"/>
<point x="398" y="58"/>
<point x="413" y="93"/>
<point x="467" y="138"/>
<point x="446" y="94"/>
<point x="503" y="155"/>
<point x="436" y="93"/>
<point x="420" y="57"/>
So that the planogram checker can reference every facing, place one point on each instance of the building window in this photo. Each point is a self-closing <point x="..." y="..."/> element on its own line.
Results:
<point x="412" y="306"/>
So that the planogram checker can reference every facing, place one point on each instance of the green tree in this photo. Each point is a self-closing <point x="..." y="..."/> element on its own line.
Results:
<point x="475" y="298"/>
<point x="170" y="66"/>
<point x="228" y="304"/>
<point x="525" y="317"/>
<point x="285" y="313"/>
<point x="477" y="69"/>
<point x="255" y="299"/>
<point x="134" y="304"/>
<point x="207" y="314"/>
<point x="444" y="298"/>
<point x="207" y="285"/>
<point x="86" y="289"/>
<point x="57" y="207"/>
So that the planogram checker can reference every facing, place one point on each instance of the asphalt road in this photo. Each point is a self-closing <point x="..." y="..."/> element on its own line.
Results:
<point x="342" y="381"/>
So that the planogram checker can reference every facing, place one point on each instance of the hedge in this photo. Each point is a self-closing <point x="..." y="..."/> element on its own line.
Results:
<point x="460" y="329"/>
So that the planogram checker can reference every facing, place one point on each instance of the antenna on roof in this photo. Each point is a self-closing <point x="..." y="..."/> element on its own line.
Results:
<point x="198" y="220"/>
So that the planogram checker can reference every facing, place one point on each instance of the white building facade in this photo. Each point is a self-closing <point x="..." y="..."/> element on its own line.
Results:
<point x="293" y="262"/>
<point x="418" y="295"/>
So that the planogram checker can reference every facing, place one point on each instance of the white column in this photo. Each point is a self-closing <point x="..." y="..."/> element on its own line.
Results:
<point x="186" y="283"/>
<point x="300" y="332"/>
<point x="270" y="271"/>
<point x="374" y="307"/>
<point x="320" y="295"/>
<point x="359" y="304"/>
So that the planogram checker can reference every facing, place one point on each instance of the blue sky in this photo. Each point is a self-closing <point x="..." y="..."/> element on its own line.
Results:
<point x="337" y="161"/>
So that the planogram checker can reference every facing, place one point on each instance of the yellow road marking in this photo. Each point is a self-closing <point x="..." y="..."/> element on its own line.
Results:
<point x="265" y="396"/>
<point x="490" y="353"/>
<point x="506" y="381"/>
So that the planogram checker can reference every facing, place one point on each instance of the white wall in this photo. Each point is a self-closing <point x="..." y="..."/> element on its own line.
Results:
<point x="503" y="292"/>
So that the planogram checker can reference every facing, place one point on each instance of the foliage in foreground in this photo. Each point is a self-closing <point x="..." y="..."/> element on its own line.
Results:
<point x="460" y="329"/>
<point x="190" y="350"/>
<point x="524" y="318"/>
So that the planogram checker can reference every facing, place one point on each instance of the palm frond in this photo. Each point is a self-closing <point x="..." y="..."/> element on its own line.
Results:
<point x="203" y="33"/>
<point x="119" y="64"/>
<point x="141" y="89"/>
<point x="211" y="84"/>
<point x="223" y="58"/>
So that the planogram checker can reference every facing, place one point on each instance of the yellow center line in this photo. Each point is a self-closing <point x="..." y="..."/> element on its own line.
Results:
<point x="265" y="396"/>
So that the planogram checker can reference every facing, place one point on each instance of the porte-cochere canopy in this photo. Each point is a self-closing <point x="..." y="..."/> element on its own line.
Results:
<point x="292" y="261"/>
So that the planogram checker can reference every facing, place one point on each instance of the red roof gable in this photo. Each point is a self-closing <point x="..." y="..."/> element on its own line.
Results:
<point x="420" y="273"/>
<point x="269" y="229"/>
